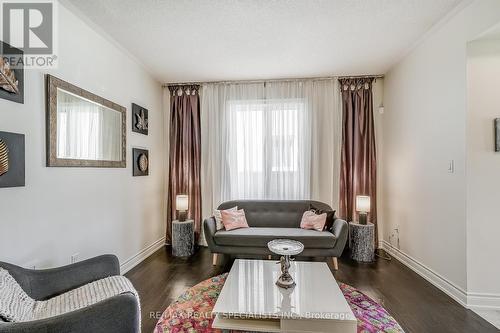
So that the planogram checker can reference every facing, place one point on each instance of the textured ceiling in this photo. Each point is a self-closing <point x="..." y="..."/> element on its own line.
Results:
<point x="208" y="40"/>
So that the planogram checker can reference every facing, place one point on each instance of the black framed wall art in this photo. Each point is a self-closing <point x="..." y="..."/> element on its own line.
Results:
<point x="140" y="119"/>
<point x="12" y="163"/>
<point x="140" y="162"/>
<point x="11" y="73"/>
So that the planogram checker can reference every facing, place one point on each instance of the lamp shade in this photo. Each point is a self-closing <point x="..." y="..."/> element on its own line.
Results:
<point x="182" y="202"/>
<point x="363" y="203"/>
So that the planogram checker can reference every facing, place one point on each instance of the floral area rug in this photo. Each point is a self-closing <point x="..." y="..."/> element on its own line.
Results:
<point x="191" y="313"/>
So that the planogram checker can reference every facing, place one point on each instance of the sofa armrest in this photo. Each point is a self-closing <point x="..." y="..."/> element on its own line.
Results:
<point x="118" y="314"/>
<point x="210" y="228"/>
<point x="340" y="229"/>
<point x="47" y="283"/>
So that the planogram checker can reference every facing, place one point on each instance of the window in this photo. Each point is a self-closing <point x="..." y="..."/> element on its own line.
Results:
<point x="269" y="149"/>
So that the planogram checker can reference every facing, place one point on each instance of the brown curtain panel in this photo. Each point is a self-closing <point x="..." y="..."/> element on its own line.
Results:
<point x="185" y="154"/>
<point x="359" y="161"/>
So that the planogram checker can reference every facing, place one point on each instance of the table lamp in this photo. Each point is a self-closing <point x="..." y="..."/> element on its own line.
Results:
<point x="363" y="207"/>
<point x="181" y="205"/>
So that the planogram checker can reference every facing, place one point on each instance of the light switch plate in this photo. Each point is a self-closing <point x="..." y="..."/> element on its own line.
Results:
<point x="451" y="166"/>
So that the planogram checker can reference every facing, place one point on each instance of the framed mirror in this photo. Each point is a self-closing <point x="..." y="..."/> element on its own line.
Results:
<point x="83" y="129"/>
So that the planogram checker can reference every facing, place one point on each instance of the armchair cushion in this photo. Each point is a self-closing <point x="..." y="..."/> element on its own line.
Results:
<point x="84" y="296"/>
<point x="17" y="306"/>
<point x="118" y="314"/>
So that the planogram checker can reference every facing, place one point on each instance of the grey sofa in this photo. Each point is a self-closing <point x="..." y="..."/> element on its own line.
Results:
<point x="116" y="314"/>
<point x="269" y="220"/>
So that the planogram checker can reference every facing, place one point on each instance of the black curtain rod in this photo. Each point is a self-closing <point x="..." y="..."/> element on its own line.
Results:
<point x="362" y="77"/>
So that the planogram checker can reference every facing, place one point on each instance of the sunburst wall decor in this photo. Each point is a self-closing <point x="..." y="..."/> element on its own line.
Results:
<point x="4" y="158"/>
<point x="140" y="162"/>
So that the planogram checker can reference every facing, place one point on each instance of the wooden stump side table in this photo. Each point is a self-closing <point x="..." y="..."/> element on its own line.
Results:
<point x="182" y="238"/>
<point x="362" y="241"/>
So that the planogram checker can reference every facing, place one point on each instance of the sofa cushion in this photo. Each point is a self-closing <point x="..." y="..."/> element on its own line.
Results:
<point x="259" y="237"/>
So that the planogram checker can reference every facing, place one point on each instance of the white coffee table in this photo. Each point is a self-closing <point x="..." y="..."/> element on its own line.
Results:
<point x="251" y="301"/>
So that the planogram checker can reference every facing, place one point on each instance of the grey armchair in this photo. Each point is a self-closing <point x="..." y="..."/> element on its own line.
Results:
<point x="116" y="314"/>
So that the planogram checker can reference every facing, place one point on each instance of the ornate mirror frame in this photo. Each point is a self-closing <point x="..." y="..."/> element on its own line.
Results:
<point x="52" y="84"/>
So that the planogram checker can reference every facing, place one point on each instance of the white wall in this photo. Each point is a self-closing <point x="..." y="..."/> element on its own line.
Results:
<point x="378" y="100"/>
<point x="424" y="127"/>
<point x="90" y="211"/>
<point x="483" y="168"/>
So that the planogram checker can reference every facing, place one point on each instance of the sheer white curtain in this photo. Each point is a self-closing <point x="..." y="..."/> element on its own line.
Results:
<point x="268" y="148"/>
<point x="86" y="130"/>
<point x="278" y="140"/>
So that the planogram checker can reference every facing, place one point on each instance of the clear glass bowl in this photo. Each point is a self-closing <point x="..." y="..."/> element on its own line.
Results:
<point x="285" y="247"/>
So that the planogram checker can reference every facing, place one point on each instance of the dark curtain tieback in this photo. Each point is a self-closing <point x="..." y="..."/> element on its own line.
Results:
<point x="356" y="83"/>
<point x="179" y="90"/>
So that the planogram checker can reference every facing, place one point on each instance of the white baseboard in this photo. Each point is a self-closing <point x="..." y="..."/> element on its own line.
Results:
<point x="136" y="259"/>
<point x="446" y="286"/>
<point x="470" y="300"/>
<point x="487" y="306"/>
<point x="479" y="301"/>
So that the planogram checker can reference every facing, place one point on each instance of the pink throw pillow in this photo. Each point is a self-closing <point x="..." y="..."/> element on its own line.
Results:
<point x="311" y="220"/>
<point x="218" y="217"/>
<point x="234" y="219"/>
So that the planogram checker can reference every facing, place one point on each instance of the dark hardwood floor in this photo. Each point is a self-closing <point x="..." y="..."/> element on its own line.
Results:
<point x="416" y="304"/>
